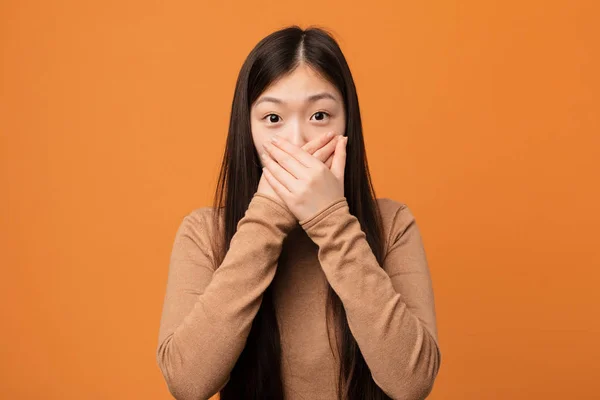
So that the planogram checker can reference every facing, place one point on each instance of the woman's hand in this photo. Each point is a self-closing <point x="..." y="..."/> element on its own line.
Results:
<point x="304" y="183"/>
<point x="322" y="148"/>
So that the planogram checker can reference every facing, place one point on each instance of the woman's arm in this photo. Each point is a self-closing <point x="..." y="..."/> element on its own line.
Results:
<point x="207" y="313"/>
<point x="390" y="310"/>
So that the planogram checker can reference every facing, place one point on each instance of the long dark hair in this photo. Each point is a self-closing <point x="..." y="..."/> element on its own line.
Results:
<point x="257" y="372"/>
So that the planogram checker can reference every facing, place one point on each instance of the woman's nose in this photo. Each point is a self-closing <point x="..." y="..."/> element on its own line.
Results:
<point x="297" y="136"/>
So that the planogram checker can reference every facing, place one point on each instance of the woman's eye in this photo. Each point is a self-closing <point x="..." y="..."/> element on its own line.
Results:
<point x="320" y="115"/>
<point x="273" y="118"/>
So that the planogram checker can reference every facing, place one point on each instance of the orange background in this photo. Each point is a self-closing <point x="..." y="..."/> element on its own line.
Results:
<point x="482" y="116"/>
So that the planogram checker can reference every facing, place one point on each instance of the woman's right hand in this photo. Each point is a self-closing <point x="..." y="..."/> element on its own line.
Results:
<point x="322" y="148"/>
<point x="265" y="187"/>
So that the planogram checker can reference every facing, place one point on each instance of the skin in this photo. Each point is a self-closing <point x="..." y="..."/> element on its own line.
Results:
<point x="297" y="128"/>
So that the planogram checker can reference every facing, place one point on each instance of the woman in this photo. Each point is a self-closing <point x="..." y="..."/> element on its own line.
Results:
<point x="298" y="283"/>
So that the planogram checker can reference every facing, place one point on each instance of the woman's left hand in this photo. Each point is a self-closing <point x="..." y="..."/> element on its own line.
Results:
<point x="302" y="181"/>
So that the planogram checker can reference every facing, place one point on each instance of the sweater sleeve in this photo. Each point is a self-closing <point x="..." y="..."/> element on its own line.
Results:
<point x="390" y="310"/>
<point x="207" y="311"/>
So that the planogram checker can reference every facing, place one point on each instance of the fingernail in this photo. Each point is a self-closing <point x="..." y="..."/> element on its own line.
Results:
<point x="329" y="134"/>
<point x="264" y="156"/>
<point x="274" y="139"/>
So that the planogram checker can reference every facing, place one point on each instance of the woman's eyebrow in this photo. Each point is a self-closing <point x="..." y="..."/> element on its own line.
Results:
<point x="309" y="99"/>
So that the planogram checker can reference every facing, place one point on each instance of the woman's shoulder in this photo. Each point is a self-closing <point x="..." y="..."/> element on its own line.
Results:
<point x="390" y="208"/>
<point x="201" y="216"/>
<point x="199" y="225"/>
<point x="396" y="217"/>
<point x="196" y="235"/>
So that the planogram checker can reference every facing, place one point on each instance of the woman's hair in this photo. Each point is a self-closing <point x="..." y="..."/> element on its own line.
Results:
<point x="257" y="372"/>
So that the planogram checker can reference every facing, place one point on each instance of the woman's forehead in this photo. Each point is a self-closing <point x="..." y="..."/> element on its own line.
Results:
<point x="302" y="85"/>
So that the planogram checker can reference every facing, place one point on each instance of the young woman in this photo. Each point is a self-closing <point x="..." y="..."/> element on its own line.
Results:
<point x="298" y="283"/>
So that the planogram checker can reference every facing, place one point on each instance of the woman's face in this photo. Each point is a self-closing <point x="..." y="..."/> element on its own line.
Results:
<point x="298" y="107"/>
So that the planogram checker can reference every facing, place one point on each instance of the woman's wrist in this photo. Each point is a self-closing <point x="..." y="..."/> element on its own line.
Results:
<point x="278" y="213"/>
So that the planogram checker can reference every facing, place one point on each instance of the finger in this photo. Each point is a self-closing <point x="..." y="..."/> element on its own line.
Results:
<point x="281" y="190"/>
<point x="329" y="161"/>
<point x="296" y="158"/>
<point x="319" y="142"/>
<point x="286" y="160"/>
<point x="339" y="159"/>
<point x="284" y="177"/>
<point x="325" y="152"/>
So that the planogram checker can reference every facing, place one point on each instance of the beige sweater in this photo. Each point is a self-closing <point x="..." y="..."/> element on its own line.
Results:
<point x="208" y="309"/>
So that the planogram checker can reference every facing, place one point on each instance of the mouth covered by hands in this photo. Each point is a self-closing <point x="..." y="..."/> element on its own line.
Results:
<point x="306" y="178"/>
